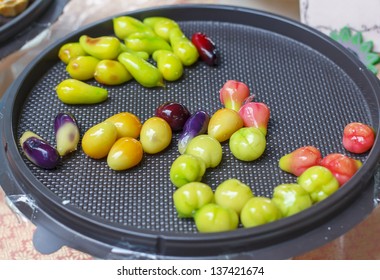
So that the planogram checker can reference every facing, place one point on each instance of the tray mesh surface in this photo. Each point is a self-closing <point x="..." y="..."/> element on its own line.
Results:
<point x="310" y="97"/>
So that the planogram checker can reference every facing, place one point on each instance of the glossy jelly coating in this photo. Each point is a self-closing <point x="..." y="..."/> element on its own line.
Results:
<point x="186" y="169"/>
<point x="141" y="54"/>
<point x="319" y="182"/>
<point x="82" y="67"/>
<point x="259" y="211"/>
<point x="195" y="125"/>
<point x="207" y="148"/>
<point x="66" y="133"/>
<point x="233" y="94"/>
<point x="223" y="123"/>
<point x="69" y="51"/>
<point x="342" y="166"/>
<point x="190" y="197"/>
<point x="207" y="49"/>
<point x="72" y="91"/>
<point x="297" y="161"/>
<point x="247" y="144"/>
<point x="127" y="124"/>
<point x="98" y="140"/>
<point x="125" y="153"/>
<point x="183" y="47"/>
<point x="176" y="114"/>
<point x="255" y="114"/>
<point x="142" y="42"/>
<point x="169" y="65"/>
<point x="215" y="218"/>
<point x="141" y="70"/>
<point x="358" y="137"/>
<point x="103" y="47"/>
<point x="111" y="72"/>
<point x="233" y="194"/>
<point x="125" y="26"/>
<point x="155" y="135"/>
<point x="39" y="151"/>
<point x="162" y="26"/>
<point x="291" y="199"/>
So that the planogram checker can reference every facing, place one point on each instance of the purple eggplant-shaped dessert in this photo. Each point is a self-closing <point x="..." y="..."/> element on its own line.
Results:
<point x="195" y="125"/>
<point x="39" y="151"/>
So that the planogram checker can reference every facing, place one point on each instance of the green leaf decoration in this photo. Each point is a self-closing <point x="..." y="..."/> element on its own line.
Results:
<point x="355" y="43"/>
<point x="357" y="39"/>
<point x="335" y="35"/>
<point x="373" y="58"/>
<point x="345" y="34"/>
<point x="366" y="47"/>
<point x="373" y="69"/>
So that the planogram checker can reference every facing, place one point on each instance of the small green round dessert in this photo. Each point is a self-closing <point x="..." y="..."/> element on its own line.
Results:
<point x="247" y="144"/>
<point x="319" y="182"/>
<point x="207" y="148"/>
<point x="291" y="199"/>
<point x="186" y="169"/>
<point x="259" y="211"/>
<point x="190" y="197"/>
<point x="233" y="194"/>
<point x="215" y="218"/>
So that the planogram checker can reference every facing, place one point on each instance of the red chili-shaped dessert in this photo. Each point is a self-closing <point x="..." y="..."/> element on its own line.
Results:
<point x="206" y="48"/>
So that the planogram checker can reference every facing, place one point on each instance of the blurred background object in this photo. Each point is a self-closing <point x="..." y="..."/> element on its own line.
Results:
<point x="360" y="16"/>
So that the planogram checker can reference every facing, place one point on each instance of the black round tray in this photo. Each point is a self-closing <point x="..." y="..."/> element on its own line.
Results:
<point x="313" y="86"/>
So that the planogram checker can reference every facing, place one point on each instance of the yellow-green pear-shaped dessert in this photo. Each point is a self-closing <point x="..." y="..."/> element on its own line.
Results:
<point x="169" y="64"/>
<point x="82" y="67"/>
<point x="111" y="72"/>
<point x="124" y="26"/>
<point x="162" y="26"/>
<point x="73" y="91"/>
<point x="104" y="47"/>
<point x="147" y="43"/>
<point x="141" y="70"/>
<point x="69" y="51"/>
<point x="183" y="47"/>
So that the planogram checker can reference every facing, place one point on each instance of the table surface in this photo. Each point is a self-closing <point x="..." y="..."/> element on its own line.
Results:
<point x="361" y="242"/>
